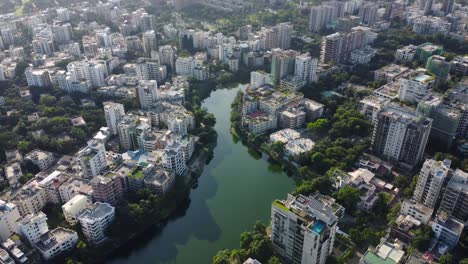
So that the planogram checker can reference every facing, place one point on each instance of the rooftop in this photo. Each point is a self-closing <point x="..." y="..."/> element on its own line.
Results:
<point x="97" y="211"/>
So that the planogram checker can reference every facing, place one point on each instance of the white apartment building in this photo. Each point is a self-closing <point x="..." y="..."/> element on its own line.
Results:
<point x="303" y="228"/>
<point x="417" y="210"/>
<point x="92" y="159"/>
<point x="113" y="113"/>
<point x="184" y="66"/>
<point x="173" y="157"/>
<point x="405" y="54"/>
<point x="306" y="68"/>
<point x="33" y="226"/>
<point x="42" y="159"/>
<point x="147" y="94"/>
<point x="94" y="221"/>
<point x="455" y="199"/>
<point x="415" y="87"/>
<point x="56" y="242"/>
<point x="74" y="207"/>
<point x="430" y="181"/>
<point x="9" y="215"/>
<point x="400" y="135"/>
<point x="37" y="77"/>
<point x="371" y="105"/>
<point x="259" y="79"/>
<point x="30" y="199"/>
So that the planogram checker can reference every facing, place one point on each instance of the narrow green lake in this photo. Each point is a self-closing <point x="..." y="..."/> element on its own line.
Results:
<point x="235" y="190"/>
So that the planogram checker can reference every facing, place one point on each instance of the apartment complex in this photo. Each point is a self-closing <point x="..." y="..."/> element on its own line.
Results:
<point x="400" y="135"/>
<point x="304" y="228"/>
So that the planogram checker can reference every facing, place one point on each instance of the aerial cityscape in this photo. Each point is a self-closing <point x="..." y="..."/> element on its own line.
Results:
<point x="234" y="131"/>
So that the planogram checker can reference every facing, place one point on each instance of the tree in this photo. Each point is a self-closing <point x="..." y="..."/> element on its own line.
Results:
<point x="446" y="259"/>
<point x="349" y="197"/>
<point x="274" y="260"/>
<point x="422" y="238"/>
<point x="320" y="125"/>
<point x="47" y="100"/>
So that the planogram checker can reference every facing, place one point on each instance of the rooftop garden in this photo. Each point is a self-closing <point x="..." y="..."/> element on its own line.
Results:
<point x="137" y="173"/>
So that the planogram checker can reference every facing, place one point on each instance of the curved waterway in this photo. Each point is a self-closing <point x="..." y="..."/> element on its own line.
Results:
<point x="234" y="191"/>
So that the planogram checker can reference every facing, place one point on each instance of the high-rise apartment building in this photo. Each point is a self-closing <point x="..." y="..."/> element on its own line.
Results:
<point x="33" y="226"/>
<point x="430" y="181"/>
<point x="368" y="13"/>
<point x="400" y="135"/>
<point x="455" y="199"/>
<point x="150" y="42"/>
<point x="415" y="86"/>
<point x="147" y="94"/>
<point x="303" y="228"/>
<point x="95" y="219"/>
<point x="113" y="113"/>
<point x="282" y="64"/>
<point x="92" y="159"/>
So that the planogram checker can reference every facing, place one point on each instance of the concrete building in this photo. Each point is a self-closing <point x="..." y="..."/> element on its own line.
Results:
<point x="284" y="135"/>
<point x="259" y="79"/>
<point x="385" y="252"/>
<point x="406" y="54"/>
<point x="32" y="226"/>
<point x="447" y="229"/>
<point x="303" y="228"/>
<point x="57" y="241"/>
<point x="108" y="188"/>
<point x="92" y="159"/>
<point x="9" y="215"/>
<point x="42" y="159"/>
<point x="298" y="147"/>
<point x="415" y="86"/>
<point x="95" y="219"/>
<point x="368" y="13"/>
<point x="459" y="65"/>
<point x="371" y="105"/>
<point x="314" y="110"/>
<point x="417" y="210"/>
<point x="160" y="181"/>
<point x="390" y="73"/>
<point x="430" y="182"/>
<point x="149" y="42"/>
<point x="438" y="66"/>
<point x="30" y="199"/>
<point x="113" y="113"/>
<point x="173" y="158"/>
<point x="292" y="118"/>
<point x="400" y="135"/>
<point x="37" y="77"/>
<point x="74" y="207"/>
<point x="455" y="200"/>
<point x="147" y="94"/>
